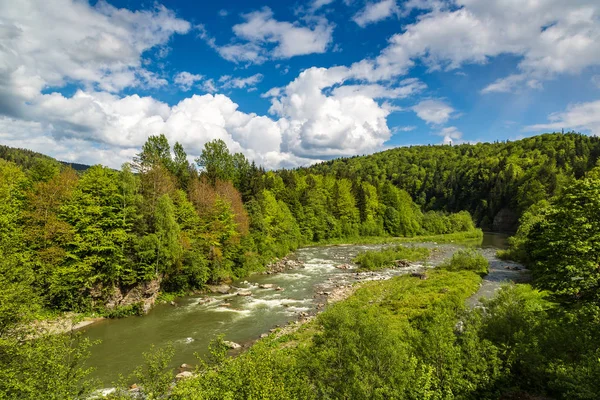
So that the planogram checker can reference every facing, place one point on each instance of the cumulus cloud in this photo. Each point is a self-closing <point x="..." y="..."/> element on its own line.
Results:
<point x="48" y="44"/>
<point x="261" y="37"/>
<point x="375" y="12"/>
<point x="579" y="117"/>
<point x="186" y="80"/>
<point x="433" y="111"/>
<point x="101" y="127"/>
<point x="321" y="118"/>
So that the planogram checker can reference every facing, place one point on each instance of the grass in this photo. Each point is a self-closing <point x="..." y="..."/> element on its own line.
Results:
<point x="373" y="260"/>
<point x="467" y="260"/>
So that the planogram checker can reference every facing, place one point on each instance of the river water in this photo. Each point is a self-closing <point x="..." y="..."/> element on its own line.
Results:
<point x="194" y="321"/>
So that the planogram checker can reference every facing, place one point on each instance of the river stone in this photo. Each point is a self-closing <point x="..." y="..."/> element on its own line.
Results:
<point x="231" y="345"/>
<point x="186" y="366"/>
<point x="244" y="293"/>
<point x="184" y="375"/>
<point x="266" y="286"/>
<point x="344" y="266"/>
<point x="223" y="289"/>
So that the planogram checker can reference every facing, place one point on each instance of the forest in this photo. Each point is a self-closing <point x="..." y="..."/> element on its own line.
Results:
<point x="81" y="241"/>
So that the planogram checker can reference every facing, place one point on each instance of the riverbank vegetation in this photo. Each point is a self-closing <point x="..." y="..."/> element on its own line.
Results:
<point x="373" y="260"/>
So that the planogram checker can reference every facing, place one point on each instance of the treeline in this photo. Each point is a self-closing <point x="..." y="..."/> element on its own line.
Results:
<point x="86" y="237"/>
<point x="482" y="178"/>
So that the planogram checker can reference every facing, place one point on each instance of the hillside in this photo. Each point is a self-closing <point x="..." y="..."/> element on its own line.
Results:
<point x="27" y="159"/>
<point x="495" y="182"/>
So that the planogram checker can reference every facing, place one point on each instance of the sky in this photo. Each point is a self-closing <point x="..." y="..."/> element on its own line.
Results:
<point x="290" y="83"/>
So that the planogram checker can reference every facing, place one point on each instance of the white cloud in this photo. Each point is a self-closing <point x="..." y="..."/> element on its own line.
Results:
<point x="48" y="44"/>
<point x="451" y="135"/>
<point x="316" y="4"/>
<point x="341" y="123"/>
<point x="433" y="111"/>
<point x="375" y="12"/>
<point x="210" y="86"/>
<point x="578" y="117"/>
<point x="512" y="83"/>
<point x="229" y="82"/>
<point x="261" y="37"/>
<point x="186" y="80"/>
<point x="315" y="120"/>
<point x="551" y="37"/>
<point x="404" y="128"/>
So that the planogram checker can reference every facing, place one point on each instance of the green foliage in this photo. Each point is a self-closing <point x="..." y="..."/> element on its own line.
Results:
<point x="47" y="367"/>
<point x="482" y="179"/>
<point x="373" y="260"/>
<point x="466" y="260"/>
<point x="563" y="243"/>
<point x="125" y="311"/>
<point x="217" y="162"/>
<point x="259" y="373"/>
<point x="156" y="375"/>
<point x="438" y="223"/>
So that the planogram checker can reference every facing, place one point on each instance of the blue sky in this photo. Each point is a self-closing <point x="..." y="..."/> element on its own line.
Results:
<point x="292" y="83"/>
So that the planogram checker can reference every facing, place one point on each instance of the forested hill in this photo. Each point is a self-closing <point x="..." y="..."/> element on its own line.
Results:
<point x="483" y="178"/>
<point x="28" y="159"/>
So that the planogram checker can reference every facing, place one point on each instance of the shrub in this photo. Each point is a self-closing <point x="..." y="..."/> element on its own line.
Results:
<point x="467" y="260"/>
<point x="373" y="260"/>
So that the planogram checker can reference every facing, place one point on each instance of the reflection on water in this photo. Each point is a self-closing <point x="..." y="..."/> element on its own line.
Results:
<point x="191" y="324"/>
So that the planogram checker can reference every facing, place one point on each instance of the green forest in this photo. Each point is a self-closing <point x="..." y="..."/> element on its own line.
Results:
<point x="86" y="240"/>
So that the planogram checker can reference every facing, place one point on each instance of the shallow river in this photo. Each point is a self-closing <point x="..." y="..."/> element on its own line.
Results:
<point x="194" y="321"/>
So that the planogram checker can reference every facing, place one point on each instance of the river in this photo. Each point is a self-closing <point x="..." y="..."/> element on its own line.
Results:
<point x="194" y="321"/>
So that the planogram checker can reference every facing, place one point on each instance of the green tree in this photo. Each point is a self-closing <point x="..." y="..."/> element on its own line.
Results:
<point x="217" y="162"/>
<point x="564" y="245"/>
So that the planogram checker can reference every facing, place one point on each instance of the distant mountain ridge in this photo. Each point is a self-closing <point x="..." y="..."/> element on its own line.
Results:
<point x="27" y="158"/>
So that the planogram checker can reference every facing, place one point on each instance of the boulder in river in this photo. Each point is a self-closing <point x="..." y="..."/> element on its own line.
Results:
<point x="244" y="293"/>
<point x="184" y="375"/>
<point x="231" y="345"/>
<point x="344" y="266"/>
<point x="279" y="289"/>
<point x="185" y="366"/>
<point x="222" y="289"/>
<point x="266" y="286"/>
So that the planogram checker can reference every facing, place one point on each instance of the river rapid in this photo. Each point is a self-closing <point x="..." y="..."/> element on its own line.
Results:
<point x="194" y="321"/>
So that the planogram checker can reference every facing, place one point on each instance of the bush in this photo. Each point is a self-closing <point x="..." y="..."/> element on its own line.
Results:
<point x="467" y="260"/>
<point x="126" y="311"/>
<point x="373" y="260"/>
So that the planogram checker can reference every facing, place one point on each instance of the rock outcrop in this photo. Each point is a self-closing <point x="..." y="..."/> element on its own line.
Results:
<point x="505" y="221"/>
<point x="144" y="294"/>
